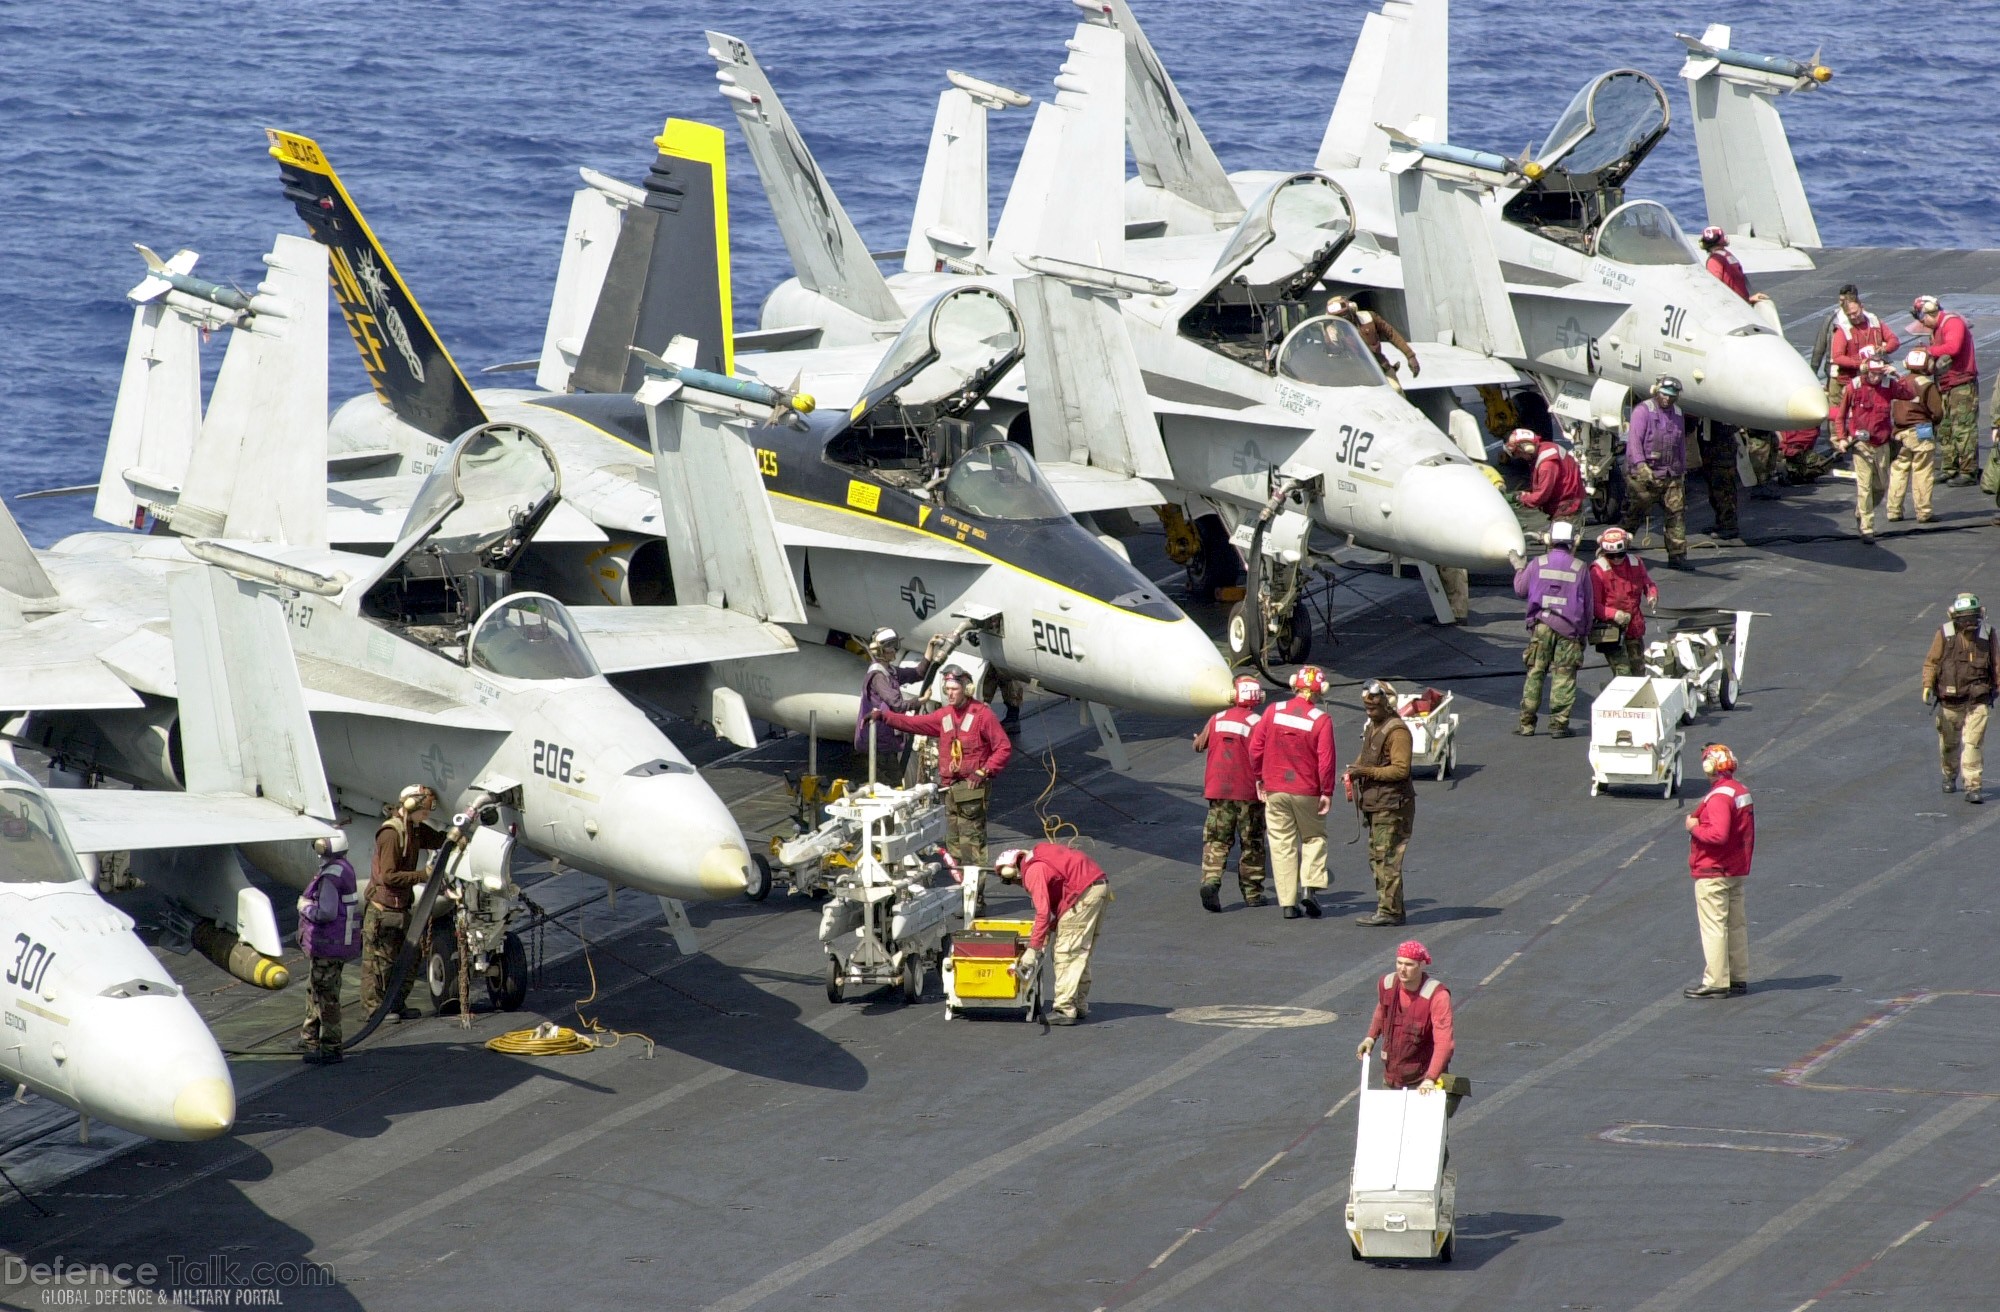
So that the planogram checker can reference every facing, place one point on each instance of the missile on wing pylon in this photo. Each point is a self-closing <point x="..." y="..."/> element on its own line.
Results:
<point x="1807" y="73"/>
<point x="165" y="277"/>
<point x="754" y="399"/>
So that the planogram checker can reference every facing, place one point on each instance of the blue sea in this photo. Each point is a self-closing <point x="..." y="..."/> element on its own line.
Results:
<point x="459" y="128"/>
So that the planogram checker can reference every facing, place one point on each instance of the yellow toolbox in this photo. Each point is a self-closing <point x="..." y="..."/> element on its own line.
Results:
<point x="980" y="975"/>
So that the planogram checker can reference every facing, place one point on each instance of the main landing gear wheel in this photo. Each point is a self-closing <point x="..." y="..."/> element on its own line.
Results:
<point x="760" y="878"/>
<point x="441" y="969"/>
<point x="508" y="989"/>
<point x="833" y="985"/>
<point x="1216" y="564"/>
<point x="1290" y="645"/>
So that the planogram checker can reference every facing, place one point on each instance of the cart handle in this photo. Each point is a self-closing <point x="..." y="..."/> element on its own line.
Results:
<point x="1364" y="1071"/>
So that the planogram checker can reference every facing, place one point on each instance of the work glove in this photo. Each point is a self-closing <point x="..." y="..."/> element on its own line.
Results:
<point x="1428" y="1086"/>
<point x="1363" y="1048"/>
<point x="1517" y="560"/>
<point x="1025" y="967"/>
<point x="1621" y="617"/>
<point x="1930" y="696"/>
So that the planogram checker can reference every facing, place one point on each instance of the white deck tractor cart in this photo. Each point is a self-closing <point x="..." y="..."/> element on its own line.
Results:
<point x="1433" y="725"/>
<point x="1403" y="1198"/>
<point x="886" y="917"/>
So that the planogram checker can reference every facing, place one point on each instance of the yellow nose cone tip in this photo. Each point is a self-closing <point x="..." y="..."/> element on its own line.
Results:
<point x="725" y="871"/>
<point x="803" y="403"/>
<point x="272" y="974"/>
<point x="1821" y="73"/>
<point x="205" y="1108"/>
<point x="1806" y="406"/>
<point x="1213" y="690"/>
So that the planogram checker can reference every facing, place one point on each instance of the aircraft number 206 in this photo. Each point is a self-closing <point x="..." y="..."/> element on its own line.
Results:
<point x="551" y="761"/>
<point x="31" y="963"/>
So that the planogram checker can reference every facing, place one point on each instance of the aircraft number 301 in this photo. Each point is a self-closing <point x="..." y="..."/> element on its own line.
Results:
<point x="31" y="964"/>
<point x="552" y="762"/>
<point x="1056" y="640"/>
<point x="1354" y="443"/>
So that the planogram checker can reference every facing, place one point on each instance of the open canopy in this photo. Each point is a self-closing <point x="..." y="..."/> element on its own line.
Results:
<point x="1608" y="128"/>
<point x="948" y="356"/>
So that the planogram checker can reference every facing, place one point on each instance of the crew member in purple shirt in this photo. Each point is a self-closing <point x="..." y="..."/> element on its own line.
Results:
<point x="1656" y="467"/>
<point x="1557" y="587"/>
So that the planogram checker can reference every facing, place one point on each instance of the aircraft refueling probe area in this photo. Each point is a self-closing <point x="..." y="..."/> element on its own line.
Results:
<point x="848" y="803"/>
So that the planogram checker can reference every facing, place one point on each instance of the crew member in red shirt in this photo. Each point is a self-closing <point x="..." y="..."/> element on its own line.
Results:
<point x="1728" y="270"/>
<point x="1412" y="1020"/>
<point x="1722" y="832"/>
<point x="1070" y="893"/>
<point x="1865" y="418"/>
<point x="1619" y="587"/>
<point x="972" y="749"/>
<point x="1957" y="372"/>
<point x="1853" y="328"/>
<point x="1292" y="759"/>
<point x="1234" y="813"/>
<point x="1555" y="483"/>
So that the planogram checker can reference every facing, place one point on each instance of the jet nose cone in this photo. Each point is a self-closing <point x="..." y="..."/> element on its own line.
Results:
<point x="205" y="1108"/>
<point x="1452" y="514"/>
<point x="1159" y="667"/>
<point x="1213" y="689"/>
<point x="669" y="834"/>
<point x="1807" y="406"/>
<point x="1761" y="382"/>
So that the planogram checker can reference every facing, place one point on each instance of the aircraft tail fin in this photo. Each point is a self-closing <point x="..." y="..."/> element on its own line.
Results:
<point x="1067" y="199"/>
<point x="158" y="410"/>
<point x="1453" y="288"/>
<point x="668" y="276"/>
<point x="243" y="723"/>
<point x="596" y="216"/>
<point x="407" y="364"/>
<point x="1399" y="73"/>
<point x="722" y="537"/>
<point x="258" y="467"/>
<point x="828" y="253"/>
<point x="1351" y="128"/>
<point x="952" y="219"/>
<point x="1087" y="400"/>
<point x="1749" y="176"/>
<point x="20" y="572"/>
<point x="1168" y="146"/>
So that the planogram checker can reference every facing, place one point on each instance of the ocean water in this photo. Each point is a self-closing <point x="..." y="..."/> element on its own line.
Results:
<point x="459" y="128"/>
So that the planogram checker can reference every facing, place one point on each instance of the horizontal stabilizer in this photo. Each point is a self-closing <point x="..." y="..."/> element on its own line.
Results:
<point x="20" y="572"/>
<point x="807" y="524"/>
<point x="1351" y="127"/>
<point x="1085" y="488"/>
<point x="52" y="665"/>
<point x="1454" y="366"/>
<point x="1749" y="176"/>
<point x="625" y="638"/>
<point x="124" y="819"/>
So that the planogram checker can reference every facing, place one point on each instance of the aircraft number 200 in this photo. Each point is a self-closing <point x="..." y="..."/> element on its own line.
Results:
<point x="1354" y="443"/>
<point x="551" y="761"/>
<point x="31" y="963"/>
<point x="1055" y="639"/>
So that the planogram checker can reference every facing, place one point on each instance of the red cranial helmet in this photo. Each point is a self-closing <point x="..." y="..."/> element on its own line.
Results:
<point x="1248" y="690"/>
<point x="1522" y="441"/>
<point x="1309" y="679"/>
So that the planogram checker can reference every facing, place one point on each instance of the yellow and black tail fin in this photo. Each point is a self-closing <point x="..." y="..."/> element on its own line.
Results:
<point x="409" y="367"/>
<point x="669" y="273"/>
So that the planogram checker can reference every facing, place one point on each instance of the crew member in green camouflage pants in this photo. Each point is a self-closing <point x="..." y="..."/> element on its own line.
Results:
<point x="1957" y="372"/>
<point x="1551" y="654"/>
<point x="1243" y="823"/>
<point x="965" y="822"/>
<point x="398" y="868"/>
<point x="1230" y="785"/>
<point x="1645" y="489"/>
<point x="1379" y="781"/>
<point x="1718" y="470"/>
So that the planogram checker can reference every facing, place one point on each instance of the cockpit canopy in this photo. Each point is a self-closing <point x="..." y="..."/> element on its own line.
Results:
<point x="1328" y="352"/>
<point x="1643" y="232"/>
<point x="1609" y="127"/>
<point x="1001" y="481"/>
<point x="1255" y="296"/>
<point x="485" y="487"/>
<point x="530" y="636"/>
<point x="32" y="849"/>
<point x="945" y="360"/>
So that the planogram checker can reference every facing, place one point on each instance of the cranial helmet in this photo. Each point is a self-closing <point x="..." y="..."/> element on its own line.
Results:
<point x="1613" y="541"/>
<point x="1248" y="690"/>
<point x="1713" y="236"/>
<point x="1667" y="385"/>
<point x="882" y="637"/>
<point x="417" y="797"/>
<point x="1378" y="690"/>
<point x="1309" y="679"/>
<point x="1917" y="361"/>
<point x="1924" y="305"/>
<point x="1521" y="441"/>
<point x="334" y="844"/>
<point x="956" y="674"/>
<point x="1716" y="758"/>
<point x="1965" y="604"/>
<point x="1562" y="533"/>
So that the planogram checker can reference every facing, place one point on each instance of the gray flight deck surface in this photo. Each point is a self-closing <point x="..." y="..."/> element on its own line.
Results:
<point x="1829" y="1135"/>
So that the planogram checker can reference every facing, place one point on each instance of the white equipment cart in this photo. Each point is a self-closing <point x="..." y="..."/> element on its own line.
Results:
<point x="1433" y="726"/>
<point x="1705" y="650"/>
<point x="1636" y="735"/>
<point x="1403" y="1198"/>
<point x="883" y="923"/>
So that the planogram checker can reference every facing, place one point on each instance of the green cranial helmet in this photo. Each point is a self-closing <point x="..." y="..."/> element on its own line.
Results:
<point x="1965" y="604"/>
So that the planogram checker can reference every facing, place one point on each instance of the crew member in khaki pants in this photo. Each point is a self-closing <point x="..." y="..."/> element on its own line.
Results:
<point x="1070" y="893"/>
<point x="1292" y="759"/>
<point x="1722" y="835"/>
<point x="1913" y="470"/>
<point x="1959" y="674"/>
